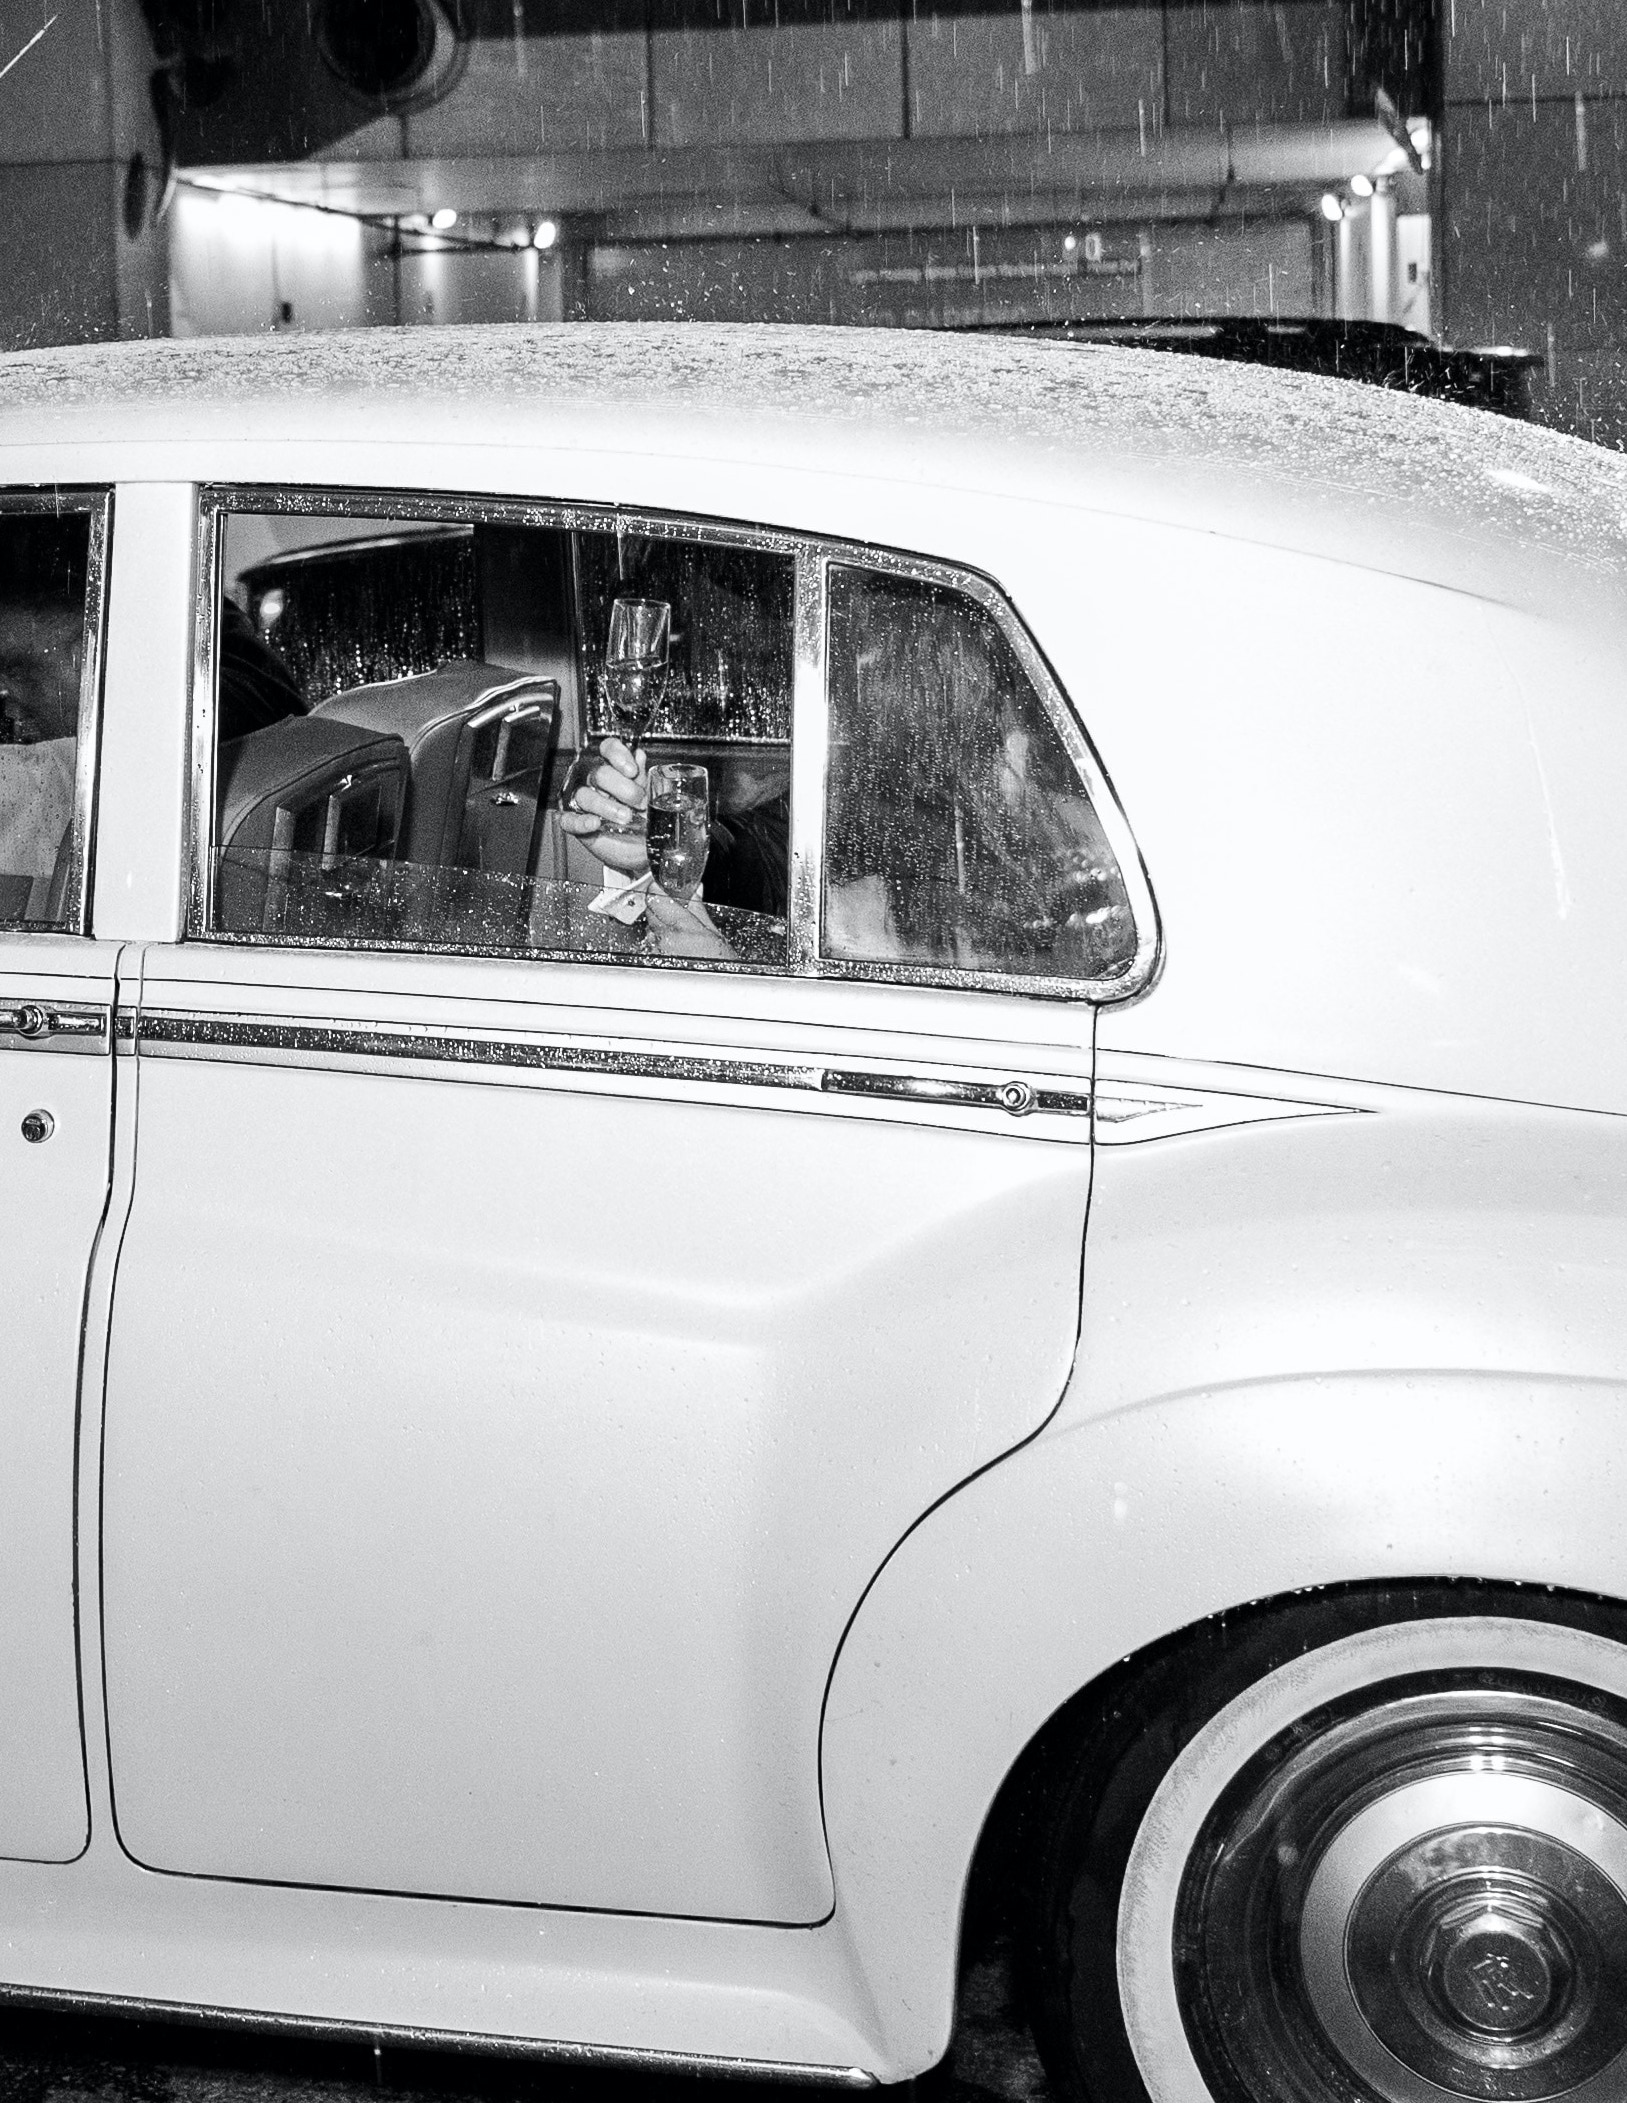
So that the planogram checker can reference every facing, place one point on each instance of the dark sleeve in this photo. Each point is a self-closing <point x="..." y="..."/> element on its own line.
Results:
<point x="256" y="687"/>
<point x="746" y="867"/>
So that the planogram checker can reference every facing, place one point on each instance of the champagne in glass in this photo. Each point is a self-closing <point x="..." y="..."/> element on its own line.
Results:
<point x="635" y="679"/>
<point x="677" y="828"/>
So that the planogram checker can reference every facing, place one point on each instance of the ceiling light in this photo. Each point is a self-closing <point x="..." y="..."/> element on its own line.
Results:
<point x="1332" y="210"/>
<point x="444" y="218"/>
<point x="546" y="235"/>
<point x="1070" y="242"/>
<point x="1361" y="185"/>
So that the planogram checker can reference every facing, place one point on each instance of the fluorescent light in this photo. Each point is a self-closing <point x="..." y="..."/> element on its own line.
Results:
<point x="546" y="235"/>
<point x="444" y="218"/>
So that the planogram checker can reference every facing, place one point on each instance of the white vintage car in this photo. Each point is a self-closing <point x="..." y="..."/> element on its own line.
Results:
<point x="584" y="1457"/>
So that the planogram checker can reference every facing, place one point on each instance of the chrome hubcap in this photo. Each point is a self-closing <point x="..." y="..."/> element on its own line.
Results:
<point x="1497" y="1967"/>
<point x="1469" y="1927"/>
<point x="1417" y="1900"/>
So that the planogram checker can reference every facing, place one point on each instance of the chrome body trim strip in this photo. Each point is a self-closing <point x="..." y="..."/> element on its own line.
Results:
<point x="639" y="2058"/>
<point x="179" y="1033"/>
<point x="1016" y="1097"/>
<point x="164" y="1030"/>
<point x="813" y="555"/>
<point x="1129" y="1113"/>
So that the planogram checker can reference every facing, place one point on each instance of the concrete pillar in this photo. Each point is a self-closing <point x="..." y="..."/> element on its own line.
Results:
<point x="1381" y="255"/>
<point x="80" y="172"/>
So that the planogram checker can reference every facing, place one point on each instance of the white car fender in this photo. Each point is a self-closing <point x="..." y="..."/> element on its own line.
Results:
<point x="1102" y="1536"/>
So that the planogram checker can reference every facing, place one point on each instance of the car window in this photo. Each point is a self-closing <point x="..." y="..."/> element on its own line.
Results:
<point x="960" y="834"/>
<point x="398" y="703"/>
<point x="50" y="622"/>
<point x="413" y="743"/>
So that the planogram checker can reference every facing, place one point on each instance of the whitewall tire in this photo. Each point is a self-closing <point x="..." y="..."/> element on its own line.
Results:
<point x="1391" y="1868"/>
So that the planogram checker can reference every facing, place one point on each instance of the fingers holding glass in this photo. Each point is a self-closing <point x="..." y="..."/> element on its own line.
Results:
<point x="631" y="681"/>
<point x="677" y="930"/>
<point x="602" y="805"/>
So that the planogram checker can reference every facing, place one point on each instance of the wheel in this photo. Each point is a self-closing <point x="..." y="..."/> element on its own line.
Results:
<point x="1390" y="1869"/>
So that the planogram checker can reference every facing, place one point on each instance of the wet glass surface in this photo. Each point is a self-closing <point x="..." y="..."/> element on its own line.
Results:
<point x="350" y="616"/>
<point x="959" y="833"/>
<point x="365" y="903"/>
<point x="730" y="672"/>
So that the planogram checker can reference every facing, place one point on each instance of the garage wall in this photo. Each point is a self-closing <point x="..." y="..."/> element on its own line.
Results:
<point x="943" y="75"/>
<point x="1535" y="189"/>
<point x="621" y="106"/>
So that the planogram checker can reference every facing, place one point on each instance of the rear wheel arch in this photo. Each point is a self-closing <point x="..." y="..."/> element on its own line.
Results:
<point x="1051" y="1862"/>
<point x="1016" y="1603"/>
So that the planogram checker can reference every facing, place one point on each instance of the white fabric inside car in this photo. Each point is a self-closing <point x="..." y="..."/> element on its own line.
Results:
<point x="36" y="806"/>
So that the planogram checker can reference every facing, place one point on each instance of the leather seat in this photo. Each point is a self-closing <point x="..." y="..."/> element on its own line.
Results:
<point x="477" y="738"/>
<point x="301" y="797"/>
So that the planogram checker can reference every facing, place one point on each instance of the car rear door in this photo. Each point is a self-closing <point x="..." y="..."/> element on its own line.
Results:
<point x="520" y="1362"/>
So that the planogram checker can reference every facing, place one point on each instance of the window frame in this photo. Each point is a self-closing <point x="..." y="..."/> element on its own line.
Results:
<point x="813" y="557"/>
<point x="95" y="501"/>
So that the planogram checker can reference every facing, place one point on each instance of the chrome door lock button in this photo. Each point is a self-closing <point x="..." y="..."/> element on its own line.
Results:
<point x="38" y="1126"/>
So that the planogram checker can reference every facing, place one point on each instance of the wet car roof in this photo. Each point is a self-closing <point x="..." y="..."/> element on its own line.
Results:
<point x="1425" y="488"/>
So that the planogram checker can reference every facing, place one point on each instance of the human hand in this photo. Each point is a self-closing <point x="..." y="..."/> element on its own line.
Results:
<point x="607" y="813"/>
<point x="677" y="930"/>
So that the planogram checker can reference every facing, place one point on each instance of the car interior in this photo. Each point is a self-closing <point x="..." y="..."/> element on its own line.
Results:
<point x="44" y="560"/>
<point x="430" y="686"/>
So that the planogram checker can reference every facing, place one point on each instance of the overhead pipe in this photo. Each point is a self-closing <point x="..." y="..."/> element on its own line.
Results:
<point x="873" y="186"/>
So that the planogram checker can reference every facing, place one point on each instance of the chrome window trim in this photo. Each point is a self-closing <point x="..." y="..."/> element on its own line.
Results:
<point x="199" y="826"/>
<point x="814" y="556"/>
<point x="96" y="502"/>
<point x="810" y="724"/>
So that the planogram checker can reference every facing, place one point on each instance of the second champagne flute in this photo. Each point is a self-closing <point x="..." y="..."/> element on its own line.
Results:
<point x="677" y="828"/>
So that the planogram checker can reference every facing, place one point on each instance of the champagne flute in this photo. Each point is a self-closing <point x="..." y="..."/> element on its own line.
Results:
<point x="636" y="659"/>
<point x="677" y="828"/>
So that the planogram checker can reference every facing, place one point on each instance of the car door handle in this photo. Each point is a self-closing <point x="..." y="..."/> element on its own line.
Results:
<point x="34" y="1022"/>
